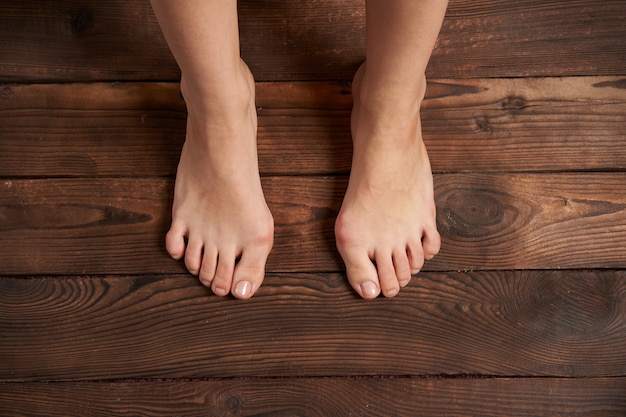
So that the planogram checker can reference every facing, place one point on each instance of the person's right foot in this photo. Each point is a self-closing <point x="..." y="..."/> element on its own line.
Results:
<point x="221" y="224"/>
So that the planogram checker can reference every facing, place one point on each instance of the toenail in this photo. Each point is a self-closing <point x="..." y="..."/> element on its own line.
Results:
<point x="369" y="289"/>
<point x="404" y="283"/>
<point x="242" y="289"/>
<point x="391" y="292"/>
<point x="220" y="291"/>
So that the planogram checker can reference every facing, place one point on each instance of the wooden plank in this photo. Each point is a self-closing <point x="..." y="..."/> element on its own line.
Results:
<point x="531" y="38"/>
<point x="137" y="129"/>
<point x="531" y="221"/>
<point x="526" y="124"/>
<point x="75" y="40"/>
<point x="323" y="397"/>
<point x="487" y="221"/>
<point x="117" y="40"/>
<point x="508" y="323"/>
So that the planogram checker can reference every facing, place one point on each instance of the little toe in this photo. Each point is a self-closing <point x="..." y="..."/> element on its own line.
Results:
<point x="387" y="275"/>
<point x="223" y="273"/>
<point x="431" y="244"/>
<point x="362" y="275"/>
<point x="175" y="242"/>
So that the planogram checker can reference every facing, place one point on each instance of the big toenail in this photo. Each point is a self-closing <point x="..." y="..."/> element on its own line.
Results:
<point x="242" y="289"/>
<point x="369" y="289"/>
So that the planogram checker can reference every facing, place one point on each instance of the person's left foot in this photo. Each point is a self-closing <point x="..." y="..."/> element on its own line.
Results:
<point x="386" y="227"/>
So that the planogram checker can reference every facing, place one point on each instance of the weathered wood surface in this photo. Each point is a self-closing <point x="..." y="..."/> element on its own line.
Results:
<point x="323" y="397"/>
<point x="487" y="221"/>
<point x="536" y="221"/>
<point x="524" y="323"/>
<point x="304" y="40"/>
<point x="137" y="129"/>
<point x="532" y="178"/>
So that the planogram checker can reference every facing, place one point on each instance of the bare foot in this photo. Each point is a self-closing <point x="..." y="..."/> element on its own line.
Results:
<point x="221" y="224"/>
<point x="386" y="226"/>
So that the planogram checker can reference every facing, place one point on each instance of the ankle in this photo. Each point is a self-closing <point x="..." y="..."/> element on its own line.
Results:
<point x="228" y="91"/>
<point x="381" y="94"/>
<point x="385" y="117"/>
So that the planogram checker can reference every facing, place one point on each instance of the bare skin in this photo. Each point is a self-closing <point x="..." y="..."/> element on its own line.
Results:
<point x="386" y="227"/>
<point x="221" y="224"/>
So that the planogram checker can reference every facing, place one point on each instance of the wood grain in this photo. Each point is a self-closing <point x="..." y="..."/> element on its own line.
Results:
<point x="304" y="40"/>
<point x="531" y="221"/>
<point x="137" y="129"/>
<point x="487" y="221"/>
<point x="509" y="323"/>
<point x="323" y="397"/>
<point x="522" y="314"/>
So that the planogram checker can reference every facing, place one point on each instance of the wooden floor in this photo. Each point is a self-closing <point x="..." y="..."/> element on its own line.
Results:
<point x="522" y="314"/>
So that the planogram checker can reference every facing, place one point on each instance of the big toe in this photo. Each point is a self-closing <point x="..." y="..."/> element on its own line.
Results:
<point x="249" y="274"/>
<point x="362" y="275"/>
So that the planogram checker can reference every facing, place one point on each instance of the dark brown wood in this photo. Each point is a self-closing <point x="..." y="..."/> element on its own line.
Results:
<point x="137" y="129"/>
<point x="487" y="221"/>
<point x="542" y="323"/>
<point x="536" y="221"/>
<point x="76" y="40"/>
<point x="531" y="178"/>
<point x="531" y="38"/>
<point x="323" y="397"/>
<point x="303" y="40"/>
<point x="526" y="124"/>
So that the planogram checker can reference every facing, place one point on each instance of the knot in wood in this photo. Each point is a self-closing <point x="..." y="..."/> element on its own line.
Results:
<point x="572" y="306"/>
<point x="233" y="403"/>
<point x="81" y="21"/>
<point x="514" y="103"/>
<point x="483" y="124"/>
<point x="335" y="281"/>
<point x="7" y="92"/>
<point x="474" y="213"/>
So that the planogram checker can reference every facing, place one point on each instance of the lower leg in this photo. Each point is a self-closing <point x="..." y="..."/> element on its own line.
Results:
<point x="221" y="224"/>
<point x="386" y="226"/>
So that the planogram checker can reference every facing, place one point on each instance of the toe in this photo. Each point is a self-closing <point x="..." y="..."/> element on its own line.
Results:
<point x="415" y="255"/>
<point x="208" y="267"/>
<point x="387" y="275"/>
<point x="362" y="274"/>
<point x="402" y="267"/>
<point x="175" y="242"/>
<point x="249" y="273"/>
<point x="193" y="256"/>
<point x="224" y="273"/>
<point x="431" y="244"/>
